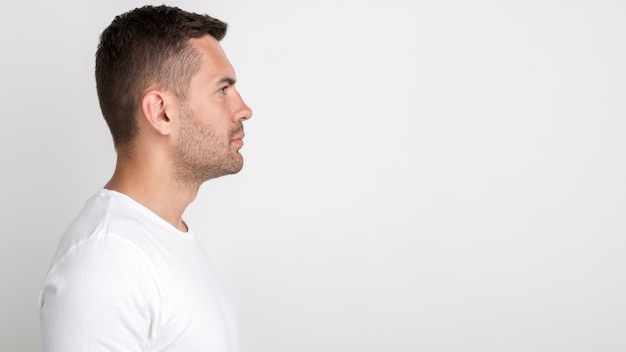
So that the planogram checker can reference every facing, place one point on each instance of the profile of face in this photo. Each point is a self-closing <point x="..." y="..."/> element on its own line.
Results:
<point x="211" y="119"/>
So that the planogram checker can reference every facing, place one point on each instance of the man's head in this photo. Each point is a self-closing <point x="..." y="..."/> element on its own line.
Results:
<point x="163" y="79"/>
<point x="144" y="47"/>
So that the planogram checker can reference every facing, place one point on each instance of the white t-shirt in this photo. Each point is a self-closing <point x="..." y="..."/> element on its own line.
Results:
<point x="124" y="279"/>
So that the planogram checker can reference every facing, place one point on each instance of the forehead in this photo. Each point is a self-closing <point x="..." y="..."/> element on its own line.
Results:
<point x="214" y="62"/>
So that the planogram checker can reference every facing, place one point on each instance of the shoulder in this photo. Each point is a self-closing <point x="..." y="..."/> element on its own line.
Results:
<point x="108" y="220"/>
<point x="102" y="239"/>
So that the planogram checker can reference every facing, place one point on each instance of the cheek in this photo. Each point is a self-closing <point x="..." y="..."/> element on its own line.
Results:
<point x="215" y="113"/>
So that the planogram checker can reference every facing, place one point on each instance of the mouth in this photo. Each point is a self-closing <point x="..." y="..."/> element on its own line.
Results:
<point x="238" y="138"/>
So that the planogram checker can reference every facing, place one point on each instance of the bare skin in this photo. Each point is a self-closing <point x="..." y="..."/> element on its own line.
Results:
<point x="181" y="144"/>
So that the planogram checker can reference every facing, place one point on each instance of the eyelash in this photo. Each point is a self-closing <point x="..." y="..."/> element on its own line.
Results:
<point x="223" y="90"/>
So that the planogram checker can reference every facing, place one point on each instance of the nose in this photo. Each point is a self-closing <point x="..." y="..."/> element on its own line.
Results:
<point x="243" y="112"/>
<point x="247" y="112"/>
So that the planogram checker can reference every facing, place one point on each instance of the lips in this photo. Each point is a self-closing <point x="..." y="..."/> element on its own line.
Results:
<point x="237" y="134"/>
<point x="238" y="138"/>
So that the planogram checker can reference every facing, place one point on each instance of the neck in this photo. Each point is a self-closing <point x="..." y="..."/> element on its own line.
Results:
<point x="146" y="182"/>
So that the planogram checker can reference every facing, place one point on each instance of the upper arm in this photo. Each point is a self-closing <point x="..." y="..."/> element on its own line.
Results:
<point x="101" y="295"/>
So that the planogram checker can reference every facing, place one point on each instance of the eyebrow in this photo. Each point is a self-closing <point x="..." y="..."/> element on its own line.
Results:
<point x="228" y="80"/>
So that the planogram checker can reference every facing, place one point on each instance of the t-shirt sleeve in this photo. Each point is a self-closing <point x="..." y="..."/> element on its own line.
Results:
<point x="102" y="295"/>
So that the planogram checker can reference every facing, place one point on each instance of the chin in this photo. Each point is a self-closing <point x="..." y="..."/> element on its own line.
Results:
<point x="233" y="167"/>
<point x="237" y="168"/>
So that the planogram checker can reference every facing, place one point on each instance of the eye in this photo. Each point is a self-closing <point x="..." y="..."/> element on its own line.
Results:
<point x="223" y="90"/>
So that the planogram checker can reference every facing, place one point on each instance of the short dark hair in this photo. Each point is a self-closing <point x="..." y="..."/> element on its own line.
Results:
<point x="148" y="45"/>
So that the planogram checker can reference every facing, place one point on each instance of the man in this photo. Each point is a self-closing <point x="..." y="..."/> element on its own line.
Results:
<point x="129" y="274"/>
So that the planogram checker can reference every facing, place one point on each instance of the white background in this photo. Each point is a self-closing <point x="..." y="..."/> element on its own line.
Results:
<point x="420" y="175"/>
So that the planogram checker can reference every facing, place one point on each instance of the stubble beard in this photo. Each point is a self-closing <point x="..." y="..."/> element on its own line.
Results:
<point x="202" y="153"/>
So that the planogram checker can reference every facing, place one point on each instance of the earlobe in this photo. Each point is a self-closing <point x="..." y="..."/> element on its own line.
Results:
<point x="154" y="112"/>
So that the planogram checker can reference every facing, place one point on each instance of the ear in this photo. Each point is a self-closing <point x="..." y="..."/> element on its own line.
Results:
<point x="153" y="107"/>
